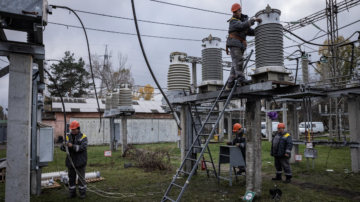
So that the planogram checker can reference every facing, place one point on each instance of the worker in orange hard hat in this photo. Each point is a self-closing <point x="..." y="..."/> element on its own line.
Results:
<point x="239" y="28"/>
<point x="76" y="159"/>
<point x="239" y="141"/>
<point x="281" y="147"/>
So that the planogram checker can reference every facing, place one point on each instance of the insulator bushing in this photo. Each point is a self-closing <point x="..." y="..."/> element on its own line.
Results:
<point x="178" y="78"/>
<point x="269" y="41"/>
<point x="125" y="97"/>
<point x="212" y="71"/>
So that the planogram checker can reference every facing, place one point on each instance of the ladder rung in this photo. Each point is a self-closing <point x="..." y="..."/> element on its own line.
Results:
<point x="169" y="198"/>
<point x="210" y="123"/>
<point x="191" y="159"/>
<point x="204" y="134"/>
<point x="184" y="172"/>
<point x="215" y="111"/>
<point x="177" y="185"/>
<point x="200" y="147"/>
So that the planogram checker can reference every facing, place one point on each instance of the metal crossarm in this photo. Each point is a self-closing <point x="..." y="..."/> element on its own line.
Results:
<point x="197" y="144"/>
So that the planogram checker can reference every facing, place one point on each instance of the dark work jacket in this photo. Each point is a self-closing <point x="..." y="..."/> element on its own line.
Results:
<point x="284" y="146"/>
<point x="240" y="138"/>
<point x="242" y="28"/>
<point x="78" y="152"/>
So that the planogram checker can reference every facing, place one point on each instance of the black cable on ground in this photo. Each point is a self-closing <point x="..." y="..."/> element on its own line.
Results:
<point x="88" y="46"/>
<point x="148" y="65"/>
<point x="62" y="101"/>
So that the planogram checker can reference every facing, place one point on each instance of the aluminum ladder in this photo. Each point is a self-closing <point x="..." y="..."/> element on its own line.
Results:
<point x="195" y="144"/>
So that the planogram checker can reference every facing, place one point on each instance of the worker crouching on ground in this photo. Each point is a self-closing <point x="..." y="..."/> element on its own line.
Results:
<point x="281" y="150"/>
<point x="77" y="143"/>
<point x="239" y="28"/>
<point x="239" y="141"/>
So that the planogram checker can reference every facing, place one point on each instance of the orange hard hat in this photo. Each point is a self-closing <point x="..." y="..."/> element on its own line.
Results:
<point x="235" y="7"/>
<point x="74" y="125"/>
<point x="236" y="127"/>
<point x="281" y="125"/>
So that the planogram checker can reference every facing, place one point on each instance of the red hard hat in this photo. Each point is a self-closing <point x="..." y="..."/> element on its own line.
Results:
<point x="281" y="125"/>
<point x="236" y="127"/>
<point x="74" y="125"/>
<point x="235" y="7"/>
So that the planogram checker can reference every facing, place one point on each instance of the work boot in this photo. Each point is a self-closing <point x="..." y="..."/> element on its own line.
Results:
<point x="82" y="191"/>
<point x="242" y="81"/>
<point x="288" y="179"/>
<point x="72" y="193"/>
<point x="82" y="196"/>
<point x="277" y="178"/>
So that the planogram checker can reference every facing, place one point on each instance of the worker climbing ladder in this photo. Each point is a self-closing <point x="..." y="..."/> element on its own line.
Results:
<point x="197" y="144"/>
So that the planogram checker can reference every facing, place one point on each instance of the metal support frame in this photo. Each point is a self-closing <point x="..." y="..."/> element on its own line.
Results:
<point x="36" y="50"/>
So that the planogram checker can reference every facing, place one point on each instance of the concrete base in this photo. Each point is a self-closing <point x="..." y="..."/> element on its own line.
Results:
<point x="354" y="120"/>
<point x="17" y="188"/>
<point x="293" y="129"/>
<point x="270" y="76"/>
<point x="210" y="88"/>
<point x="253" y="146"/>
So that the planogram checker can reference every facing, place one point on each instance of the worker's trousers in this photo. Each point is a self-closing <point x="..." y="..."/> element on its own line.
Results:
<point x="283" y="163"/>
<point x="236" y="71"/>
<point x="81" y="180"/>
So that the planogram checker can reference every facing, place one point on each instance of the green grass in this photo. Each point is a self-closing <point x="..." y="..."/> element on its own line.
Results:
<point x="152" y="185"/>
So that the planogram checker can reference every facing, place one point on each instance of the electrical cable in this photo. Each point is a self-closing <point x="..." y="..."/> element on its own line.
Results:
<point x="148" y="65"/>
<point x="326" y="33"/>
<point x="308" y="42"/>
<point x="62" y="101"/>
<point x="328" y="157"/>
<point x="88" y="47"/>
<point x="115" y="32"/>
<point x="81" y="178"/>
<point x="68" y="154"/>
<point x="190" y="7"/>
<point x="160" y="23"/>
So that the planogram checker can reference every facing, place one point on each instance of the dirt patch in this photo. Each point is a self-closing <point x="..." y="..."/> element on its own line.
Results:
<point x="323" y="188"/>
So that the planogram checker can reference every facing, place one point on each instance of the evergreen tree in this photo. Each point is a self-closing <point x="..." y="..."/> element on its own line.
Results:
<point x="70" y="76"/>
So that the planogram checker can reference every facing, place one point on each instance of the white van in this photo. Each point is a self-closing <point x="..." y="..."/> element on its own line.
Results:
<point x="318" y="127"/>
<point x="263" y="128"/>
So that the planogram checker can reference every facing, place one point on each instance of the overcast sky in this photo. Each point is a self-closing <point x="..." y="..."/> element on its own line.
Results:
<point x="58" y="39"/>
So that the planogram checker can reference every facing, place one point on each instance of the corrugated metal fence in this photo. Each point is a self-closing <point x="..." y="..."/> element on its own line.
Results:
<point x="140" y="131"/>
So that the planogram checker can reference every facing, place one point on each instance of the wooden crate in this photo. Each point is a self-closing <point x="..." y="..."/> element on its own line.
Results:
<point x="54" y="186"/>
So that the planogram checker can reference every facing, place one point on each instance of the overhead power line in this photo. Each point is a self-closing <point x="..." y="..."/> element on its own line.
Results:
<point x="191" y="7"/>
<point x="147" y="21"/>
<point x="125" y="33"/>
<point x="325" y="34"/>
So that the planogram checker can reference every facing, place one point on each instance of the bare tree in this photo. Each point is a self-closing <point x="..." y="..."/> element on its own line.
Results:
<point x="109" y="75"/>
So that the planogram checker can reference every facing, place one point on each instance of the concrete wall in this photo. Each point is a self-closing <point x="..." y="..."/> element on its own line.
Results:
<point x="58" y="122"/>
<point x="140" y="131"/>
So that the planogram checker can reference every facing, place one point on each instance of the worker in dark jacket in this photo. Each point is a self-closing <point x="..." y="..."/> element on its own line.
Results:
<point x="239" y="28"/>
<point x="76" y="159"/>
<point x="281" y="150"/>
<point x="239" y="141"/>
